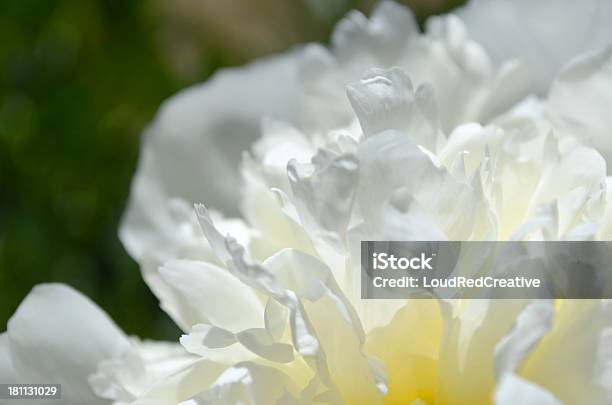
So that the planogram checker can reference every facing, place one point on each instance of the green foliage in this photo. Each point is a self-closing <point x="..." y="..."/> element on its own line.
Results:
<point x="79" y="82"/>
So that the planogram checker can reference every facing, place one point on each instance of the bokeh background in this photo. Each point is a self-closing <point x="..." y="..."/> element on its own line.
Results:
<point x="79" y="80"/>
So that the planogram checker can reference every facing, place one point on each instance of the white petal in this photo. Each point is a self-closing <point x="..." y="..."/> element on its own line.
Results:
<point x="580" y="99"/>
<point x="329" y="351"/>
<point x="580" y="167"/>
<point x="340" y="348"/>
<point x="212" y="234"/>
<point x="265" y="210"/>
<point x="280" y="143"/>
<point x="214" y="337"/>
<point x="511" y="29"/>
<point x="193" y="148"/>
<point x="8" y="374"/>
<point x="574" y="340"/>
<point x="387" y="30"/>
<point x="604" y="356"/>
<point x="299" y="272"/>
<point x="515" y="390"/>
<point x="126" y="378"/>
<point x="391" y="156"/>
<point x="470" y="337"/>
<point x="410" y="368"/>
<point x="403" y="219"/>
<point x="182" y="385"/>
<point x="204" y="339"/>
<point x="236" y="258"/>
<point x="261" y="343"/>
<point x="205" y="291"/>
<point x="59" y="336"/>
<point x="275" y="317"/>
<point x="529" y="328"/>
<point x="168" y="234"/>
<point x="311" y="279"/>
<point x="214" y="344"/>
<point x="324" y="192"/>
<point x="248" y="383"/>
<point x="385" y="100"/>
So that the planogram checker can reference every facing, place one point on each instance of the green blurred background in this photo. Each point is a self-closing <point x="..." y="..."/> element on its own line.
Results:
<point x="79" y="81"/>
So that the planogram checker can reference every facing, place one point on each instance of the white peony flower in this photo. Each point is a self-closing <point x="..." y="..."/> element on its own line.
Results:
<point x="388" y="135"/>
<point x="296" y="329"/>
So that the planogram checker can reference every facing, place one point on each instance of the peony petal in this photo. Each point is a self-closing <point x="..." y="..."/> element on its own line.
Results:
<point x="124" y="379"/>
<point x="547" y="365"/>
<point x="205" y="339"/>
<point x="529" y="328"/>
<point x="515" y="390"/>
<point x="580" y="167"/>
<point x="514" y="29"/>
<point x="8" y="375"/>
<point x="411" y="368"/>
<point x="198" y="135"/>
<point x="261" y="343"/>
<point x="215" y="344"/>
<point x="580" y="98"/>
<point x="324" y="192"/>
<point x="248" y="383"/>
<point x="261" y="279"/>
<point x="186" y="243"/>
<point x="280" y="143"/>
<point x="275" y="317"/>
<point x="468" y="346"/>
<point x="385" y="100"/>
<point x="299" y="272"/>
<point x="183" y="384"/>
<point x="388" y="29"/>
<point x="59" y="336"/>
<point x="312" y="280"/>
<point x="449" y="203"/>
<point x="455" y="67"/>
<point x="216" y="338"/>
<point x="340" y="349"/>
<point x="204" y="290"/>
<point x="329" y="352"/>
<point x="604" y="356"/>
<point x="264" y="208"/>
<point x="390" y="155"/>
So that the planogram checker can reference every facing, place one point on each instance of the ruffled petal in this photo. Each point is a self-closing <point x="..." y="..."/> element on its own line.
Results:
<point x="468" y="346"/>
<point x="202" y="291"/>
<point x="193" y="148"/>
<point x="516" y="390"/>
<point x="385" y="100"/>
<point x="567" y="362"/>
<point x="203" y="339"/>
<point x="411" y="368"/>
<point x="544" y="34"/>
<point x="249" y="383"/>
<point x="429" y="190"/>
<point x="182" y="385"/>
<point x="386" y="31"/>
<point x="125" y="378"/>
<point x="580" y="99"/>
<point x="59" y="336"/>
<point x="529" y="328"/>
